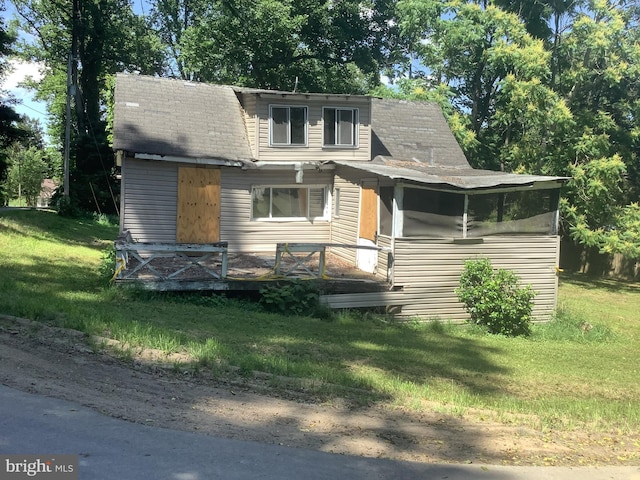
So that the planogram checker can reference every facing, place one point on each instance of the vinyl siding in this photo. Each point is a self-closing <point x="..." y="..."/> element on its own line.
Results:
<point x="314" y="150"/>
<point x="251" y="121"/>
<point x="245" y="235"/>
<point x="150" y="192"/>
<point x="429" y="271"/>
<point x="344" y="228"/>
<point x="150" y="196"/>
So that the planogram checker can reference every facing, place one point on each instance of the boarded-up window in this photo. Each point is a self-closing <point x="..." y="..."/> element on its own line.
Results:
<point x="523" y="212"/>
<point x="429" y="213"/>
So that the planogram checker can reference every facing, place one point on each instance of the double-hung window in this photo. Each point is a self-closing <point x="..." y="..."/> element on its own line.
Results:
<point x="289" y="203"/>
<point x="288" y="125"/>
<point x="340" y="126"/>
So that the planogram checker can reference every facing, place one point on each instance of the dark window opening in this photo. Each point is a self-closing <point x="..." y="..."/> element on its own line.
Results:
<point x="340" y="126"/>
<point x="288" y="125"/>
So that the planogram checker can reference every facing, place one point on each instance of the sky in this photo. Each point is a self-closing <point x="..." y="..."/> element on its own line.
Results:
<point x="17" y="72"/>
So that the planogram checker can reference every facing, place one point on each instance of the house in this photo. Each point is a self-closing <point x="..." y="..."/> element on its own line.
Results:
<point x="381" y="184"/>
<point x="47" y="189"/>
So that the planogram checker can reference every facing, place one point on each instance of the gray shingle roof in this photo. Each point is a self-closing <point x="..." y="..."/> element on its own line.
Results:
<point x="160" y="116"/>
<point x="417" y="131"/>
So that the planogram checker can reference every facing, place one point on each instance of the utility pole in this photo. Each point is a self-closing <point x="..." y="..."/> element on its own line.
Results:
<point x="67" y="129"/>
<point x="71" y="92"/>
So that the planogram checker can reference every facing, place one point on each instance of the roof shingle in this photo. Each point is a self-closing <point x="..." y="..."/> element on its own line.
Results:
<point x="160" y="116"/>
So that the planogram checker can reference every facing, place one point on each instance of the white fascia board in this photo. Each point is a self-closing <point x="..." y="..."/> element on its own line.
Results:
<point x="196" y="161"/>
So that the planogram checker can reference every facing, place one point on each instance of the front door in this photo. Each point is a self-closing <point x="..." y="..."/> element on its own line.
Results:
<point x="198" y="205"/>
<point x="367" y="259"/>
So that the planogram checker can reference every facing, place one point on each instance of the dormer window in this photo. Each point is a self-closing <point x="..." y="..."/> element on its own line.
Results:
<point x="340" y="127"/>
<point x="288" y="125"/>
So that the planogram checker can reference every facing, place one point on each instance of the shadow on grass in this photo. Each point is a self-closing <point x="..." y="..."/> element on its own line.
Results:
<point x="358" y="355"/>
<point x="361" y="360"/>
<point x="47" y="224"/>
<point x="592" y="282"/>
<point x="279" y="346"/>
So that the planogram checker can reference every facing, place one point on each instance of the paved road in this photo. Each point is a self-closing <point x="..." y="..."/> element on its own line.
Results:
<point x="114" y="449"/>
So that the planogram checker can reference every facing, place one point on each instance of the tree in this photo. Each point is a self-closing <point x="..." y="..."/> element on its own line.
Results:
<point x="9" y="118"/>
<point x="277" y="44"/>
<point x="173" y="19"/>
<point x="550" y="88"/>
<point x="599" y="76"/>
<point x="496" y="74"/>
<point x="91" y="39"/>
<point x="26" y="172"/>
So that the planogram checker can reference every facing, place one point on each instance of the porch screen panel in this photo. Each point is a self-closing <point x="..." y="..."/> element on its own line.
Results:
<point x="429" y="213"/>
<point x="386" y="210"/>
<point x="524" y="212"/>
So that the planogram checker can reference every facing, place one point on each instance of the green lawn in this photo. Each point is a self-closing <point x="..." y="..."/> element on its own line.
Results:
<point x="579" y="371"/>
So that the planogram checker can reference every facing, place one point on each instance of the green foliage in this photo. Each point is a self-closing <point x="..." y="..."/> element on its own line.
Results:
<point x="278" y="44"/>
<point x="566" y="326"/>
<point x="25" y="174"/>
<point x="103" y="37"/>
<point x="494" y="299"/>
<point x="293" y="298"/>
<point x="67" y="206"/>
<point x="594" y="210"/>
<point x="107" y="267"/>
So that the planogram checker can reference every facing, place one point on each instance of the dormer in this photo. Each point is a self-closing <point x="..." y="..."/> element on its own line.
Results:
<point x="284" y="126"/>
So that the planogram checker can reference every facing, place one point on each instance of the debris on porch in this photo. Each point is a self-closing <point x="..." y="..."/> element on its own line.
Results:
<point x="211" y="267"/>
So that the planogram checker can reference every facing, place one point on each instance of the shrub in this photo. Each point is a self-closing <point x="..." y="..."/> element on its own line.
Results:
<point x="494" y="299"/>
<point x="107" y="267"/>
<point x="293" y="298"/>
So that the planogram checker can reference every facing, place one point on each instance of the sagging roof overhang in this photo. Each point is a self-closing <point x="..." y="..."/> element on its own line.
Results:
<point x="450" y="178"/>
<point x="221" y="162"/>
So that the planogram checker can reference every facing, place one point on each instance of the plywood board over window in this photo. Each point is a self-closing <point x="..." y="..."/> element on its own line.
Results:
<point x="198" y="205"/>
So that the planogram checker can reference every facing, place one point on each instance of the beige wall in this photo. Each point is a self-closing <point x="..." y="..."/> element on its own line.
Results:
<point x="246" y="235"/>
<point x="257" y="121"/>
<point x="344" y="227"/>
<point x="149" y="192"/>
<point x="429" y="271"/>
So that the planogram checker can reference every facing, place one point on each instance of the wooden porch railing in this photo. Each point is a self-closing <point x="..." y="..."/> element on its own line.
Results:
<point x="150" y="258"/>
<point x="297" y="263"/>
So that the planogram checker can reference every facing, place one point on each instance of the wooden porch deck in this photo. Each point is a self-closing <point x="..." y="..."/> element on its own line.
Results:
<point x="183" y="267"/>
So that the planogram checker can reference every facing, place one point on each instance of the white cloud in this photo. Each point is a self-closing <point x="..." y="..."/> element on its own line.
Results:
<point x="18" y="71"/>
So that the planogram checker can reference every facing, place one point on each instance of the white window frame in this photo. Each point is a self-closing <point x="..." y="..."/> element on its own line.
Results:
<point x="288" y="143"/>
<point x="326" y="211"/>
<point x="356" y="128"/>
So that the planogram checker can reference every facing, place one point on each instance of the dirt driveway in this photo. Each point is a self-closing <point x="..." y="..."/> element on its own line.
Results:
<point x="58" y="363"/>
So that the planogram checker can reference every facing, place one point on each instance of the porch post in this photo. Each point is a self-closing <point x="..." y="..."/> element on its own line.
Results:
<point x="465" y="216"/>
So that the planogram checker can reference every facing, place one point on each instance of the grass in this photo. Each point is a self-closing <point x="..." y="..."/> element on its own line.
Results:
<point x="579" y="371"/>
